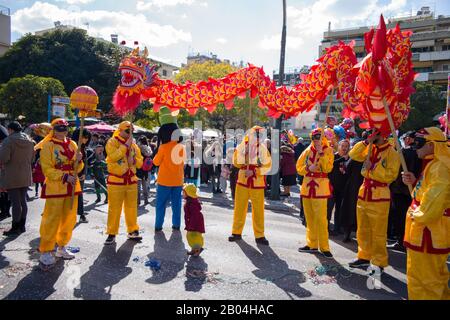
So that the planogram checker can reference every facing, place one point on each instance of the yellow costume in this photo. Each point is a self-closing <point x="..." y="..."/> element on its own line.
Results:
<point x="122" y="181"/>
<point x="374" y="200"/>
<point x="253" y="156"/>
<point x="427" y="236"/>
<point x="315" y="191"/>
<point x="57" y="160"/>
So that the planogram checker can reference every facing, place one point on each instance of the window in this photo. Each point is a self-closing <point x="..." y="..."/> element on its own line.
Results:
<point x="164" y="73"/>
<point x="446" y="47"/>
<point x="445" y="67"/>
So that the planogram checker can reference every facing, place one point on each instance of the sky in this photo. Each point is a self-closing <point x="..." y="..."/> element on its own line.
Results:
<point x="247" y="30"/>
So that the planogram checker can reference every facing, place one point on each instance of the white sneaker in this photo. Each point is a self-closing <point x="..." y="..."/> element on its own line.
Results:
<point x="374" y="270"/>
<point x="47" y="259"/>
<point x="63" y="253"/>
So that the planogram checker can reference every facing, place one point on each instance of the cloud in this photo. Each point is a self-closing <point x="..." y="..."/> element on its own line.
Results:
<point x="150" y="4"/>
<point x="129" y="27"/>
<point x="274" y="42"/>
<point x="221" y="40"/>
<point x="307" y="24"/>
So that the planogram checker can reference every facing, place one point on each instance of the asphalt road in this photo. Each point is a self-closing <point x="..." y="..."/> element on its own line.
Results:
<point x="241" y="270"/>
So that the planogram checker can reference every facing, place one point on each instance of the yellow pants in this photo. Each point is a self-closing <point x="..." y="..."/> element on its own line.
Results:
<point x="316" y="223"/>
<point x="427" y="276"/>
<point x="58" y="222"/>
<point x="195" y="239"/>
<point x="372" y="221"/>
<point x="256" y="196"/>
<point x="118" y="197"/>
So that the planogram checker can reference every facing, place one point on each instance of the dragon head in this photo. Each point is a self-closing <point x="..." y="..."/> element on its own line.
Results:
<point x="138" y="76"/>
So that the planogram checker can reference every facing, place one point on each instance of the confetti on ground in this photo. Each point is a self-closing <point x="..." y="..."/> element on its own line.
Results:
<point x="16" y="269"/>
<point x="203" y="275"/>
<point x="73" y="249"/>
<point x="153" y="264"/>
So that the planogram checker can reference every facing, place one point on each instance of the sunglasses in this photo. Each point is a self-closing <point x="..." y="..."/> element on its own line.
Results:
<point x="61" y="128"/>
<point x="316" y="137"/>
<point x="419" y="143"/>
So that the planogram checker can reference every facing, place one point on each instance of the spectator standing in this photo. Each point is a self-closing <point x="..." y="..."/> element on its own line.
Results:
<point x="16" y="156"/>
<point x="338" y="180"/>
<point x="142" y="173"/>
<point x="5" y="204"/>
<point x="288" y="169"/>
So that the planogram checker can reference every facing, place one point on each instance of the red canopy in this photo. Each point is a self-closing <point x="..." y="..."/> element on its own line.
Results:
<point x="101" y="128"/>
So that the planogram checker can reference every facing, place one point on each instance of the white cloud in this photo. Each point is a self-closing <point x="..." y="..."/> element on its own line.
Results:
<point x="274" y="42"/>
<point x="150" y="4"/>
<point x="129" y="27"/>
<point x="78" y="1"/>
<point x="221" y="40"/>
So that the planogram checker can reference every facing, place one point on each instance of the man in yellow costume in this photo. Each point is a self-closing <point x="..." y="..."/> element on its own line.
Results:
<point x="372" y="212"/>
<point x="123" y="158"/>
<point x="427" y="236"/>
<point x="58" y="157"/>
<point x="253" y="160"/>
<point x="315" y="163"/>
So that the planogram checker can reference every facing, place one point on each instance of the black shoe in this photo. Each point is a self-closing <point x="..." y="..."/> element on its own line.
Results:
<point x="327" y="254"/>
<point x="397" y="247"/>
<point x="83" y="219"/>
<point x="110" y="240"/>
<point x="263" y="241"/>
<point x="359" y="263"/>
<point x="235" y="237"/>
<point x="134" y="236"/>
<point x="158" y="229"/>
<point x="307" y="249"/>
<point x="106" y="201"/>
<point x="14" y="231"/>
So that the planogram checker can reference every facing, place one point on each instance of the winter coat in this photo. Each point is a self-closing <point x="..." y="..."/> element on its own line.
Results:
<point x="16" y="155"/>
<point x="193" y="216"/>
<point x="288" y="162"/>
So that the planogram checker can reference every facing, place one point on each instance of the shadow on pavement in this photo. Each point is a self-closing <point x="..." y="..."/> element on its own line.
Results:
<point x="108" y="269"/>
<point x="273" y="269"/>
<point x="196" y="274"/>
<point x="361" y="285"/>
<point x="172" y="255"/>
<point x="37" y="284"/>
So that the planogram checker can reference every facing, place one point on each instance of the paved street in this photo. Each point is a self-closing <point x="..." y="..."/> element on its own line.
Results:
<point x="224" y="271"/>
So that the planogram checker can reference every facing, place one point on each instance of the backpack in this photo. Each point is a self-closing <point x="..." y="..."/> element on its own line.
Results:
<point x="147" y="165"/>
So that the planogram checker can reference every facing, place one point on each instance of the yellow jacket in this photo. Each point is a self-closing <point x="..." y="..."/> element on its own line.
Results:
<point x="316" y="184"/>
<point x="428" y="230"/>
<point x="261" y="166"/>
<point x="57" y="160"/>
<point x="385" y="167"/>
<point x="120" y="173"/>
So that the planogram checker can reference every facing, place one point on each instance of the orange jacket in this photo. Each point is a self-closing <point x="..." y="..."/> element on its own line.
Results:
<point x="170" y="159"/>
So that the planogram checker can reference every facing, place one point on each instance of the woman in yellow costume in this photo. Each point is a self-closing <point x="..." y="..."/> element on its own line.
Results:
<point x="374" y="200"/>
<point x="253" y="160"/>
<point x="427" y="236"/>
<point x="315" y="163"/>
<point x="123" y="158"/>
<point x="58" y="157"/>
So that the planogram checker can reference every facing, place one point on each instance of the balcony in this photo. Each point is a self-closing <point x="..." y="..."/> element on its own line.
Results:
<point x="432" y="56"/>
<point x="433" y="76"/>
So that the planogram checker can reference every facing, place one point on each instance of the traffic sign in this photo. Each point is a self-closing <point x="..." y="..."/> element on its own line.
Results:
<point x="59" y="110"/>
<point x="61" y="100"/>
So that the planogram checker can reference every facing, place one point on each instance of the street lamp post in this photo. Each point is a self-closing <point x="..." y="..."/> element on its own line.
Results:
<point x="275" y="192"/>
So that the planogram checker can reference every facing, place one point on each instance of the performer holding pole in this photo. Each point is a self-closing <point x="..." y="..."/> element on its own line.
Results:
<point x="58" y="156"/>
<point x="427" y="222"/>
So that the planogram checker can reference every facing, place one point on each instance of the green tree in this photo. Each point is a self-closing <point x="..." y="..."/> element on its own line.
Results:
<point x="70" y="56"/>
<point x="28" y="96"/>
<point x="426" y="102"/>
<point x="221" y="118"/>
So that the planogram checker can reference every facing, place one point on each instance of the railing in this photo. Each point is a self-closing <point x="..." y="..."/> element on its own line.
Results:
<point x="5" y="11"/>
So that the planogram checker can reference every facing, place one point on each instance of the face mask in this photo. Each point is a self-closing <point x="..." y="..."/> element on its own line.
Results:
<point x="61" y="129"/>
